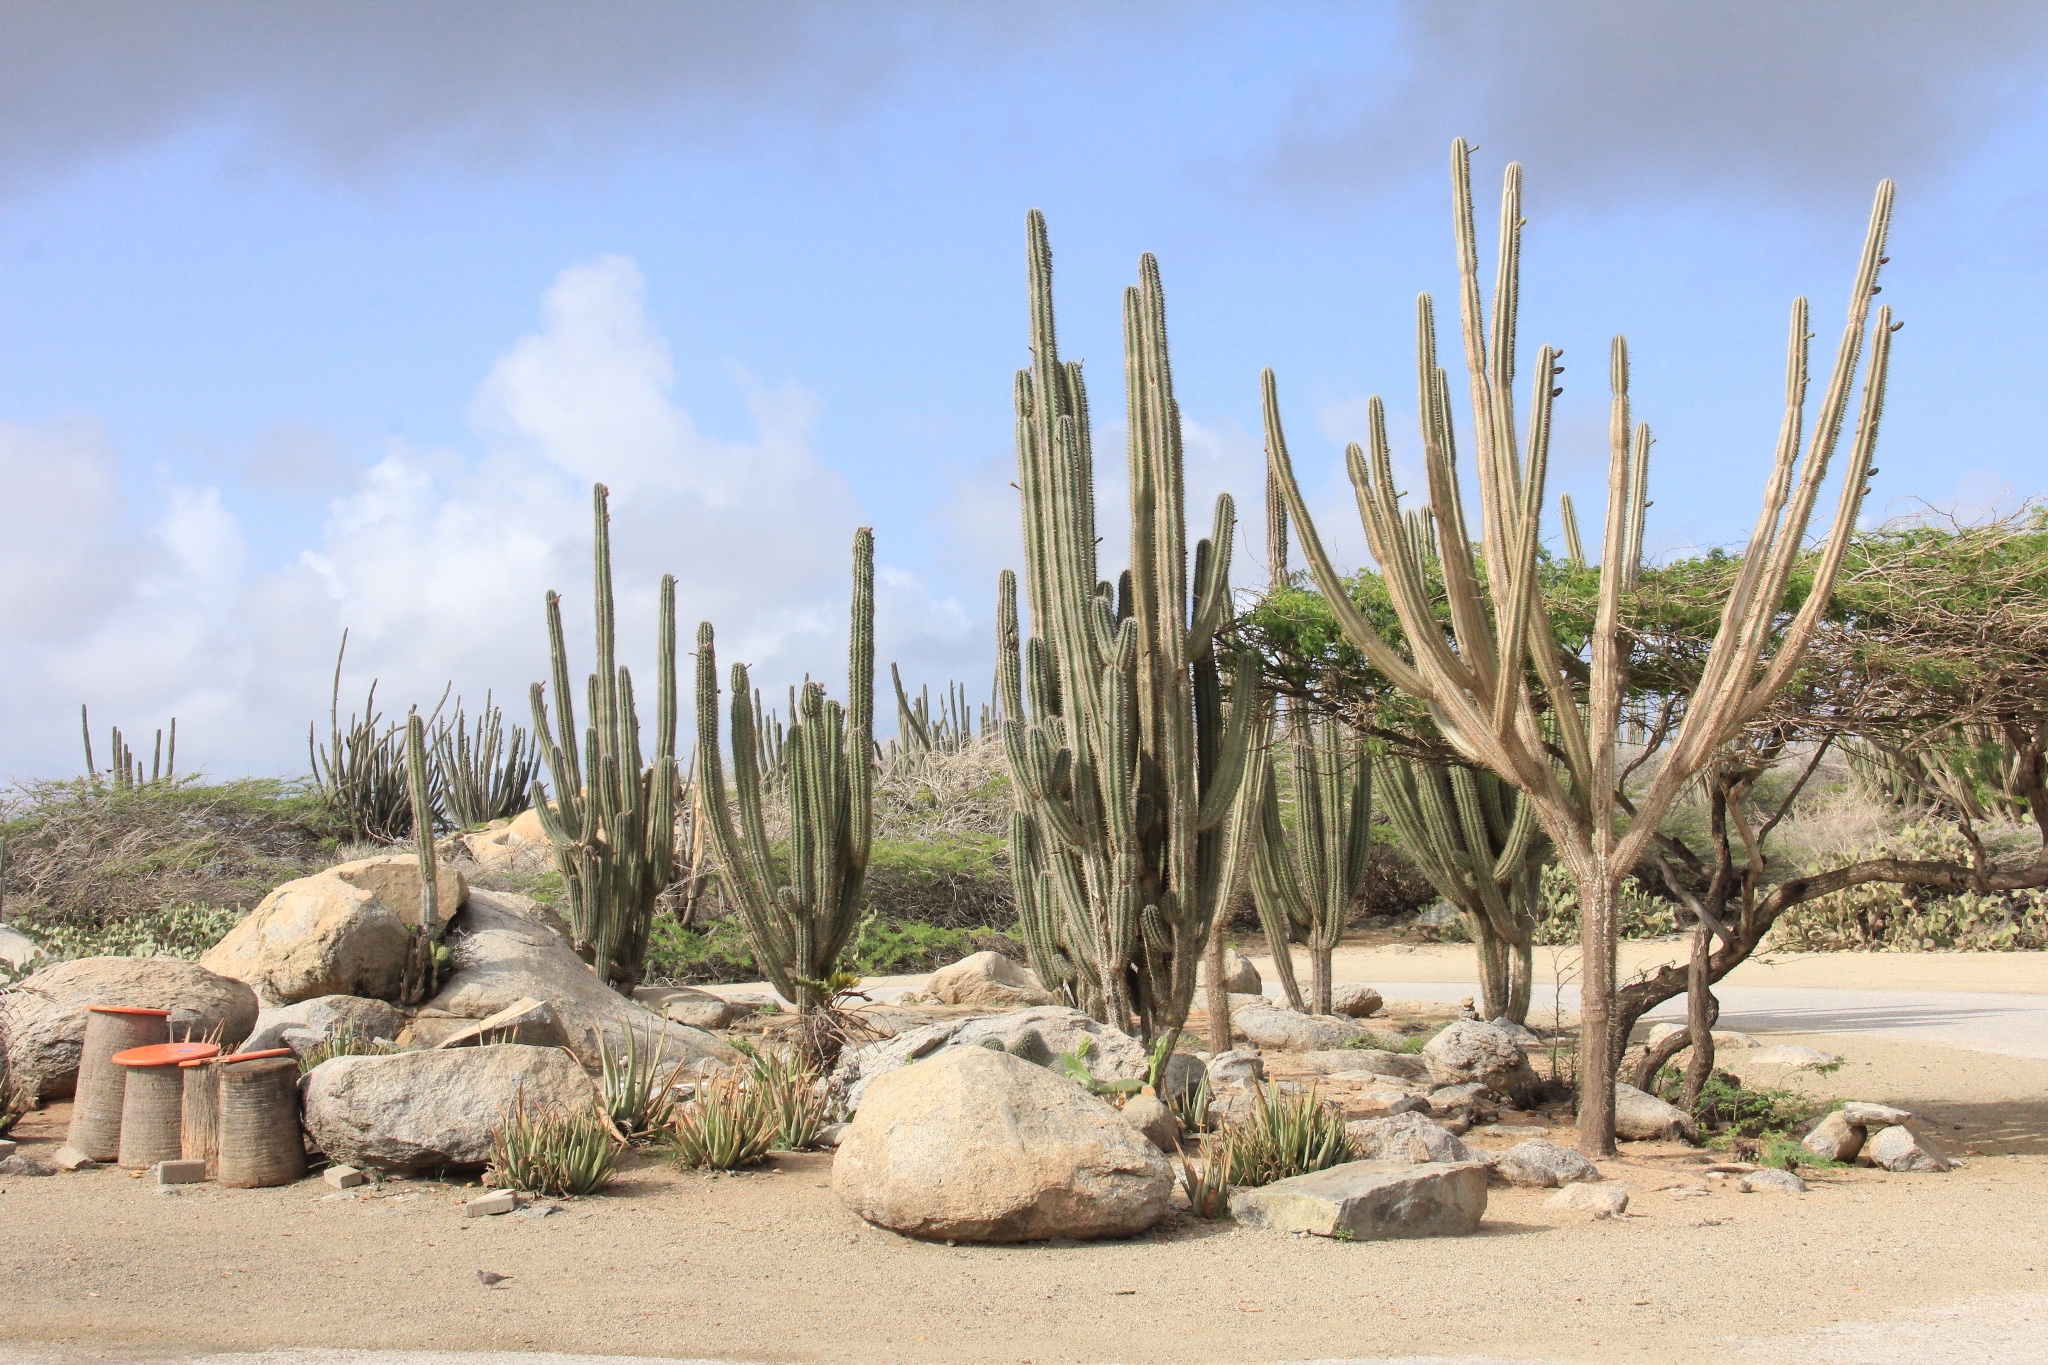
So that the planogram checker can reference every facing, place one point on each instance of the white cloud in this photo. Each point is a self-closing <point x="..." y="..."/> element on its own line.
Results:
<point x="437" y="561"/>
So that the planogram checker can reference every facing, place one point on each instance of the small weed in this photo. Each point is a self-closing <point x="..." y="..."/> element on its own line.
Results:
<point x="346" y="1042"/>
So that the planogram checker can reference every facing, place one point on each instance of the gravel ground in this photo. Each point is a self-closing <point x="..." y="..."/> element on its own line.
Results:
<point x="768" y="1267"/>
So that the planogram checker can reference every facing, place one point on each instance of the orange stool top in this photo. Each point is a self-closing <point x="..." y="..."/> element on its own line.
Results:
<point x="258" y="1056"/>
<point x="166" y="1054"/>
<point x="125" y="1009"/>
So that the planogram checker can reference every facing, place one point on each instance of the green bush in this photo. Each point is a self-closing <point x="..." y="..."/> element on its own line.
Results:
<point x="720" y="951"/>
<point x="1642" y="913"/>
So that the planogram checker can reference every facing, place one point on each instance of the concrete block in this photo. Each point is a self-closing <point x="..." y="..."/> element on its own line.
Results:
<point x="343" y="1177"/>
<point x="496" y="1202"/>
<point x="71" y="1159"/>
<point x="179" y="1172"/>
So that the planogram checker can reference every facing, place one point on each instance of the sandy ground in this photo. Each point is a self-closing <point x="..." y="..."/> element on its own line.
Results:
<point x="767" y="1266"/>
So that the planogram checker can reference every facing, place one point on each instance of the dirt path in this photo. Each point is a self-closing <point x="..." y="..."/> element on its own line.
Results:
<point x="768" y="1267"/>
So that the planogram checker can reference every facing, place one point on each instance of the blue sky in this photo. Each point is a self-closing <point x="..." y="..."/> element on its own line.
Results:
<point x="316" y="316"/>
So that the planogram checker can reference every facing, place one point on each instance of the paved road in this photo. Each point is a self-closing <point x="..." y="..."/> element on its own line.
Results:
<point x="2005" y="1022"/>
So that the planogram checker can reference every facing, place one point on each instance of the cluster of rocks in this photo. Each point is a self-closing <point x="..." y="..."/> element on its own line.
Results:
<point x="521" y="1015"/>
<point x="1875" y="1135"/>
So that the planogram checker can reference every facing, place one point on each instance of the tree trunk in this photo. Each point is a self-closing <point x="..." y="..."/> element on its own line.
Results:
<point x="1701" y="1012"/>
<point x="1599" y="1058"/>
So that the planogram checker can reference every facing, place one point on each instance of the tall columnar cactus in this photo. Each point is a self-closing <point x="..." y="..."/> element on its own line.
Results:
<point x="800" y="905"/>
<point x="1304" y="883"/>
<point x="425" y="953"/>
<point x="613" y="819"/>
<point x="1124" y="762"/>
<point x="1493" y="679"/>
<point x="1477" y="841"/>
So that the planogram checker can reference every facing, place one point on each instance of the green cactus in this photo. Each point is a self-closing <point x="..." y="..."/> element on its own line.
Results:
<point x="124" y="769"/>
<point x="1477" y="841"/>
<point x="420" y="782"/>
<point x="800" y="908"/>
<point x="613" y="822"/>
<point x="1123" y="764"/>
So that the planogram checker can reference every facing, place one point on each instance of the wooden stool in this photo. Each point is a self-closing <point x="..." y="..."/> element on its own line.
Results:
<point x="96" y="1106"/>
<point x="260" y="1142"/>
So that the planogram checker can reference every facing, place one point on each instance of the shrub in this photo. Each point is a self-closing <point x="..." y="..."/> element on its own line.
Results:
<point x="728" y="1124"/>
<point x="1642" y="914"/>
<point x="346" y="1042"/>
<point x="1287" y="1133"/>
<point x="1208" y="1185"/>
<point x="550" y="1154"/>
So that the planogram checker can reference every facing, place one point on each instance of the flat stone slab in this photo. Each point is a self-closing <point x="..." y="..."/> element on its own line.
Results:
<point x="1371" y="1201"/>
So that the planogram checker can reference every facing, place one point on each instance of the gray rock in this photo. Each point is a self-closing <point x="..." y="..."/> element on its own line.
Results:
<point x="43" y="1019"/>
<point x="1834" y="1138"/>
<point x="1899" y="1148"/>
<point x="1336" y="1061"/>
<point x="16" y="948"/>
<point x="1241" y="1066"/>
<point x="1537" y="1164"/>
<point x="1786" y="1056"/>
<point x="1524" y="1037"/>
<point x="1038" y="1035"/>
<point x="71" y="1159"/>
<point x="1240" y="977"/>
<point x="1469" y="1051"/>
<point x="17" y="1164"/>
<point x="327" y="1015"/>
<point x="1367" y="1201"/>
<point x="1404" y="1139"/>
<point x="1354" y="1000"/>
<point x="1866" y="1115"/>
<point x="1470" y="1095"/>
<point x="503" y="957"/>
<point x="987" y="979"/>
<point x="1181" y="1077"/>
<point x="1151" y="1117"/>
<point x="492" y="1205"/>
<point x="1399" y="1102"/>
<point x="1602" y="1201"/>
<point x="1641" y="1116"/>
<point x="532" y="1022"/>
<point x="418" y="1111"/>
<point x="1268" y="1025"/>
<point x="682" y="1005"/>
<point x="977" y="1145"/>
<point x="1768" y="1181"/>
<point x="1442" y="915"/>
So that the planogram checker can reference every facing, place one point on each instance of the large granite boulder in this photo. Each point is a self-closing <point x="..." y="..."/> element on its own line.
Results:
<point x="314" y="936"/>
<point x="1541" y="1165"/>
<point x="394" y="878"/>
<point x="1354" y="1000"/>
<point x="1039" y="1035"/>
<point x="1471" y="1052"/>
<point x="422" y="1111"/>
<point x="987" y="978"/>
<point x="1367" y="1201"/>
<point x="43" y="1020"/>
<point x="977" y="1145"/>
<point x="327" y="1015"/>
<point x="503" y="957"/>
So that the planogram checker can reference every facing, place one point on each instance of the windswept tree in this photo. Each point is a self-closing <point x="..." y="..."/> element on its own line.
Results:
<point x="1496" y="683"/>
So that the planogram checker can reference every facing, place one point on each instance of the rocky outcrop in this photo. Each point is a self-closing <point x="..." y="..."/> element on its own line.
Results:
<point x="1366" y="1201"/>
<point x="987" y="979"/>
<point x="1471" y="1052"/>
<point x="1409" y="1139"/>
<point x="1036" y="1035"/>
<point x="327" y="1015"/>
<point x="977" y="1145"/>
<point x="420" y="1111"/>
<point x="43" y="1019"/>
<point x="503" y="957"/>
